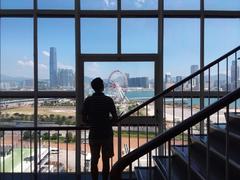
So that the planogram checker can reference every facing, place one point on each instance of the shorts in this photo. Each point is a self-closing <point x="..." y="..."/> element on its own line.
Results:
<point x="106" y="145"/>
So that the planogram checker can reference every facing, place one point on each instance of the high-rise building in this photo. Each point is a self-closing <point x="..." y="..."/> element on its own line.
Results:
<point x="168" y="78"/>
<point x="138" y="82"/>
<point x="234" y="69"/>
<point x="53" y="67"/>
<point x="66" y="78"/>
<point x="178" y="78"/>
<point x="194" y="68"/>
<point x="195" y="81"/>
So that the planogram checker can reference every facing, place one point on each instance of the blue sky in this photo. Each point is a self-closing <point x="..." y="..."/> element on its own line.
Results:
<point x="104" y="69"/>
<point x="126" y="4"/>
<point x="181" y="38"/>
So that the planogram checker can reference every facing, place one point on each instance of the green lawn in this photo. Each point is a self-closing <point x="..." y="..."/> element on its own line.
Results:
<point x="14" y="158"/>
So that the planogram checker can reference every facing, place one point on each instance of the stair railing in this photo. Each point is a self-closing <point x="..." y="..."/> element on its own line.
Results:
<point x="180" y="83"/>
<point x="172" y="132"/>
<point x="179" y="104"/>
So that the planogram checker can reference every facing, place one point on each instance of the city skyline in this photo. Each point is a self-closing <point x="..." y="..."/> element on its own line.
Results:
<point x="99" y="36"/>
<point x="53" y="36"/>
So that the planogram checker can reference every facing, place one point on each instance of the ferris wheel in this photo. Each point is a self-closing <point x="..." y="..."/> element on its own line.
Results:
<point x="117" y="86"/>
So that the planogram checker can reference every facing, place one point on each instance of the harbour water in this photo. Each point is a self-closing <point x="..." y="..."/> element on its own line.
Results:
<point x="147" y="94"/>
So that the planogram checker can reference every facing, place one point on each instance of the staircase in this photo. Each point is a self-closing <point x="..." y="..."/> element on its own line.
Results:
<point x="194" y="156"/>
<point x="205" y="145"/>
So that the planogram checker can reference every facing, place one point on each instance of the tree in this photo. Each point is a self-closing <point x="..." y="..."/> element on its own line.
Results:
<point x="54" y="136"/>
<point x="26" y="135"/>
<point x="69" y="137"/>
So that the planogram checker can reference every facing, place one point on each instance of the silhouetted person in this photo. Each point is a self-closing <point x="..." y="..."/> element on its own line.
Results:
<point x="96" y="113"/>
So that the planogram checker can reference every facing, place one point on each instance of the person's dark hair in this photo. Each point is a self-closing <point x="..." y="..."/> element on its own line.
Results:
<point x="97" y="84"/>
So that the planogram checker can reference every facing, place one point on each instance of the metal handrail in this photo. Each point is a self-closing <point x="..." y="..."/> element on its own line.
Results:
<point x="166" y="91"/>
<point x="121" y="164"/>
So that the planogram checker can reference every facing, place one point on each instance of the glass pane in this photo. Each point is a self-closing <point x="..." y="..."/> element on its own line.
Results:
<point x="181" y="50"/>
<point x="139" y="35"/>
<point x="16" y="112"/>
<point x="99" y="4"/>
<point x="54" y="112"/>
<point x="225" y="33"/>
<point x="222" y="5"/>
<point x="99" y="35"/>
<point x="56" y="4"/>
<point x="16" y="4"/>
<point x="140" y="4"/>
<point x="56" y="54"/>
<point x="182" y="4"/>
<point x="16" y="70"/>
<point x="128" y="83"/>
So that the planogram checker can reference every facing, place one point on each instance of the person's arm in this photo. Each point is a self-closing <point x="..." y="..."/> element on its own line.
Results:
<point x="113" y="113"/>
<point x="84" y="113"/>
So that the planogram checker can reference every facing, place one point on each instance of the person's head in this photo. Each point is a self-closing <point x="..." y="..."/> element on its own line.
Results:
<point x="97" y="84"/>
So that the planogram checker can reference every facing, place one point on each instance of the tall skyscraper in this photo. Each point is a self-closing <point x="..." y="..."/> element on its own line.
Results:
<point x="194" y="68"/>
<point x="195" y="82"/>
<point x="138" y="82"/>
<point x="178" y="79"/>
<point x="66" y="78"/>
<point x="234" y="76"/>
<point x="168" y="78"/>
<point x="53" y="67"/>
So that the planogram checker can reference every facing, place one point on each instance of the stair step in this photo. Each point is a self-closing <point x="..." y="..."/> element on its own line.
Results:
<point x="233" y="132"/>
<point x="147" y="173"/>
<point x="178" y="168"/>
<point x="217" y="146"/>
<point x="234" y="120"/>
<point x="217" y="150"/>
<point x="198" y="162"/>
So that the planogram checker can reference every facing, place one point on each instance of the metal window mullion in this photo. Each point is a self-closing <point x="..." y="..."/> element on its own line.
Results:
<point x="79" y="87"/>
<point x="124" y="13"/>
<point x="35" y="41"/>
<point x="159" y="70"/>
<point x="236" y="77"/>
<point x="202" y="62"/>
<point x="119" y="49"/>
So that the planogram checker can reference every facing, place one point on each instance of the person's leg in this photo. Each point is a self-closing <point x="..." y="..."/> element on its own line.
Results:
<point x="105" y="170"/>
<point x="95" y="154"/>
<point x="107" y="153"/>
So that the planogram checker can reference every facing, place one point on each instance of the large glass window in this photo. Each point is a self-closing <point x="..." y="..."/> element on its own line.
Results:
<point x="16" y="45"/>
<point x="139" y="4"/>
<point x="128" y="83"/>
<point x="139" y="35"/>
<point x="56" y="4"/>
<point x="182" y="4"/>
<point x="99" y="4"/>
<point x="16" y="4"/>
<point x="221" y="36"/>
<point x="56" y="54"/>
<point x="56" y="112"/>
<point x="16" y="112"/>
<point x="222" y="5"/>
<point x="99" y="35"/>
<point x="181" y="50"/>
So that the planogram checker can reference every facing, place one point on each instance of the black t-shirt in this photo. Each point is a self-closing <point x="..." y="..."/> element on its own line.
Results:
<point x="96" y="113"/>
